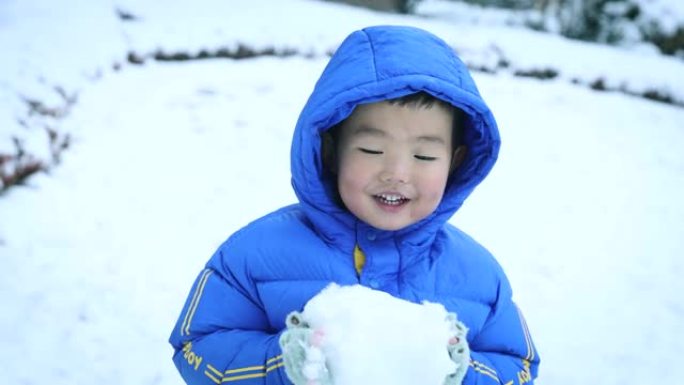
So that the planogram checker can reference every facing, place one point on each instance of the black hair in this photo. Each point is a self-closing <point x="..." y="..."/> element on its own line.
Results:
<point x="425" y="100"/>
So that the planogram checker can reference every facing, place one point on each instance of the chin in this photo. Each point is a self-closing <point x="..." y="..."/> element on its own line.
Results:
<point x="390" y="226"/>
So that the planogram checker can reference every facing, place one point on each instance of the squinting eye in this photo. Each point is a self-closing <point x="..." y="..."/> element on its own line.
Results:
<point x="367" y="151"/>
<point x="426" y="158"/>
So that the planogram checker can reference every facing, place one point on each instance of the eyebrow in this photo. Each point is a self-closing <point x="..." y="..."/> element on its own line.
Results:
<point x="368" y="130"/>
<point x="431" y="139"/>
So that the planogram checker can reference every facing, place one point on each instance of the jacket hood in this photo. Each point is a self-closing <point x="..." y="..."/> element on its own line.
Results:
<point x="375" y="64"/>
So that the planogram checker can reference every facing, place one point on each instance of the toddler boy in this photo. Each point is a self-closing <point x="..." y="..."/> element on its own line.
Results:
<point x="392" y="140"/>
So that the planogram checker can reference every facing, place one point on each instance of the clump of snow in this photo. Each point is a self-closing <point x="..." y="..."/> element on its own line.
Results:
<point x="668" y="13"/>
<point x="371" y="337"/>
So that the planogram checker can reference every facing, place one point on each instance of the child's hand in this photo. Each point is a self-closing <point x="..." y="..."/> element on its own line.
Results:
<point x="458" y="351"/>
<point x="304" y="360"/>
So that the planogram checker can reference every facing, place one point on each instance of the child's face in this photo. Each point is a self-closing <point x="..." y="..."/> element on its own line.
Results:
<point x="393" y="162"/>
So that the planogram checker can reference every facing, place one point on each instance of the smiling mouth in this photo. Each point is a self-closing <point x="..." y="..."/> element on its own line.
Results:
<point x="391" y="199"/>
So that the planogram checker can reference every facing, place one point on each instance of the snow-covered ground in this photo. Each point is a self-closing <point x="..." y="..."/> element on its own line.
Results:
<point x="53" y="59"/>
<point x="583" y="209"/>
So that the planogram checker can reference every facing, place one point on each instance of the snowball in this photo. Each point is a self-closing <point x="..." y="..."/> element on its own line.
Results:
<point x="370" y="337"/>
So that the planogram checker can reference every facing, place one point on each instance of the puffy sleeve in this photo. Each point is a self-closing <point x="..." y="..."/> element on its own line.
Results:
<point x="503" y="351"/>
<point x="223" y="335"/>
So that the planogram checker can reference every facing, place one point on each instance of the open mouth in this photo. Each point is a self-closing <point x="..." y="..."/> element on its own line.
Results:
<point x="391" y="199"/>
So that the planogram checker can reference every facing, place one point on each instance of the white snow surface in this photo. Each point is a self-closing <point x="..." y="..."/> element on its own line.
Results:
<point x="583" y="209"/>
<point x="50" y="52"/>
<point x="408" y="340"/>
<point x="669" y="13"/>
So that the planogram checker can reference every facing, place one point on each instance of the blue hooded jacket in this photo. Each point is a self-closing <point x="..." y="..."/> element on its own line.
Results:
<point x="229" y="327"/>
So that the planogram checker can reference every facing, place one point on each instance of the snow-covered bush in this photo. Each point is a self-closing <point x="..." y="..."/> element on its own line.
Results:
<point x="401" y="6"/>
<point x="669" y="42"/>
<point x="617" y="22"/>
<point x="17" y="166"/>
<point x="510" y="4"/>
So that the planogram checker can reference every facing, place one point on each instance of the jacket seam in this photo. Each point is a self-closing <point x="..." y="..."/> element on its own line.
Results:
<point x="372" y="47"/>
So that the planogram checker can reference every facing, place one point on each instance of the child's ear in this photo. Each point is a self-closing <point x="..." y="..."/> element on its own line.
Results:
<point x="328" y="152"/>
<point x="458" y="157"/>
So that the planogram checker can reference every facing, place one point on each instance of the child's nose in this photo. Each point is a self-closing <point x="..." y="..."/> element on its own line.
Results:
<point x="395" y="170"/>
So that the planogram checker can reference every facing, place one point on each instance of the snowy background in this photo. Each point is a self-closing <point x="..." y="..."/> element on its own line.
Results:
<point x="166" y="158"/>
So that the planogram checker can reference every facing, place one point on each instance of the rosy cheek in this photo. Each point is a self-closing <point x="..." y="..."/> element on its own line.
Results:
<point x="354" y="172"/>
<point x="434" y="197"/>
<point x="435" y="182"/>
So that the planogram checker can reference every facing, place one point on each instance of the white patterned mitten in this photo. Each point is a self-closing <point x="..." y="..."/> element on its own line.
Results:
<point x="459" y="351"/>
<point x="302" y="354"/>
